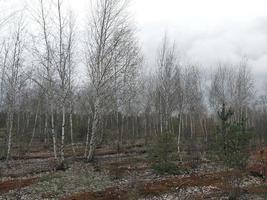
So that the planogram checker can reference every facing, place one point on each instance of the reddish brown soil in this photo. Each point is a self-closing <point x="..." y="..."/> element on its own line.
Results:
<point x="155" y="187"/>
<point x="109" y="194"/>
<point x="256" y="190"/>
<point x="6" y="186"/>
<point x="258" y="163"/>
<point x="42" y="153"/>
<point x="159" y="187"/>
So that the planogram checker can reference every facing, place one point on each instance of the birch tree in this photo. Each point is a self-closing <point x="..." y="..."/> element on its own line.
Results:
<point x="222" y="86"/>
<point x="56" y="59"/>
<point x="193" y="95"/>
<point x="14" y="77"/>
<point x="232" y="85"/>
<point x="45" y="77"/>
<point x="244" y="89"/>
<point x="111" y="40"/>
<point x="63" y="60"/>
<point x="169" y="86"/>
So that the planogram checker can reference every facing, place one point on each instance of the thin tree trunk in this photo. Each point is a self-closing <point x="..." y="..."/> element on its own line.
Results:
<point x="35" y="122"/>
<point x="18" y="122"/>
<point x="127" y="125"/>
<point x="133" y="128"/>
<point x="204" y="126"/>
<point x="45" y="129"/>
<point x="87" y="137"/>
<point x="122" y="129"/>
<point x="160" y="117"/>
<point x="145" y="129"/>
<point x="137" y="126"/>
<point x="10" y="127"/>
<point x="101" y="133"/>
<point x="117" y="126"/>
<point x="191" y="127"/>
<point x="27" y="120"/>
<point x="62" y="133"/>
<point x="179" y="133"/>
<point x="71" y="131"/>
<point x="149" y="125"/>
<point x="93" y="140"/>
<point x="186" y="122"/>
<point x="155" y="126"/>
<point x="53" y="131"/>
<point x="172" y="125"/>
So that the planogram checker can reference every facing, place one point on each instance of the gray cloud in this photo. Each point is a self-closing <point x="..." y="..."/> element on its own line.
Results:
<point x="225" y="41"/>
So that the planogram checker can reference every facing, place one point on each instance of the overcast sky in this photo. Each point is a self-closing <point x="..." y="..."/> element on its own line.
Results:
<point x="205" y="31"/>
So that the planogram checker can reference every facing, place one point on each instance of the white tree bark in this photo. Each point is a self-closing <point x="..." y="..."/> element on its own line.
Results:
<point x="53" y="130"/>
<point x="71" y="131"/>
<point x="96" y="115"/>
<point x="10" y="128"/>
<point x="179" y="132"/>
<point x="62" y="133"/>
<point x="87" y="137"/>
<point x="35" y="123"/>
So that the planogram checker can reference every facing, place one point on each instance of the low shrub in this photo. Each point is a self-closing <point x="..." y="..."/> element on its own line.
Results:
<point x="168" y="168"/>
<point x="163" y="148"/>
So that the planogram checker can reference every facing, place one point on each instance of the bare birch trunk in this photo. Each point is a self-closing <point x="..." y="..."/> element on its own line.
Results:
<point x="145" y="129"/>
<point x="133" y="128"/>
<point x="35" y="122"/>
<point x="93" y="140"/>
<point x="204" y="126"/>
<point x="160" y="116"/>
<point x="155" y="127"/>
<point x="45" y="129"/>
<point x="53" y="131"/>
<point x="71" y="132"/>
<point x="122" y="128"/>
<point x="179" y="133"/>
<point x="10" y="127"/>
<point x="27" y="120"/>
<point x="117" y="126"/>
<point x="87" y="137"/>
<point x="18" y="123"/>
<point x="62" y="133"/>
<point x="191" y="127"/>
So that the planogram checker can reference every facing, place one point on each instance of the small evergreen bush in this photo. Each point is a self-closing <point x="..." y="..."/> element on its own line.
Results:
<point x="233" y="138"/>
<point x="163" y="148"/>
<point x="162" y="153"/>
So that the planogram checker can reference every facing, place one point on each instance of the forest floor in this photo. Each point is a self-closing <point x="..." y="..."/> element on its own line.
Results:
<point x="127" y="175"/>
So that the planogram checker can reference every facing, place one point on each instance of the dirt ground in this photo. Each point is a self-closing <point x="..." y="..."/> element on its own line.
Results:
<point x="127" y="175"/>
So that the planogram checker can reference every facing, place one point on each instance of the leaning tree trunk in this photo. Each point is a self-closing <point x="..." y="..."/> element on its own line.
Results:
<point x="93" y="140"/>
